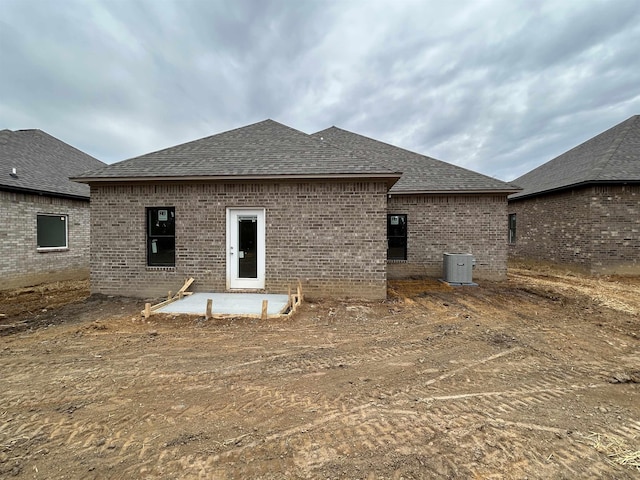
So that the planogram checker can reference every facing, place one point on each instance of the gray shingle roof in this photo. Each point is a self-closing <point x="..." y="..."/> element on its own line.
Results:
<point x="43" y="164"/>
<point x="419" y="172"/>
<point x="264" y="149"/>
<point x="610" y="157"/>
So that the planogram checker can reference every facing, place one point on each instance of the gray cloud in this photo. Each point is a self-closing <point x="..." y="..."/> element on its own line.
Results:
<point x="498" y="87"/>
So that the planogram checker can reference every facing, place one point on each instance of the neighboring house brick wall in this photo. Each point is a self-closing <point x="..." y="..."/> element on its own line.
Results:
<point x="553" y="228"/>
<point x="440" y="224"/>
<point x="595" y="229"/>
<point x="22" y="264"/>
<point x="615" y="217"/>
<point x="330" y="235"/>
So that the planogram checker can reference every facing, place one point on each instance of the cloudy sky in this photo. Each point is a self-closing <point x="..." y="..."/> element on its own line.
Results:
<point x="497" y="86"/>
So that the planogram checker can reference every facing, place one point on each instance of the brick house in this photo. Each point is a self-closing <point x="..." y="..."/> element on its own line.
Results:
<point x="259" y="207"/>
<point x="44" y="235"/>
<point x="444" y="208"/>
<point x="582" y="209"/>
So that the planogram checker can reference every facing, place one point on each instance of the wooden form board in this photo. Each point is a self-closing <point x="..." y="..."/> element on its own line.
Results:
<point x="295" y="300"/>
<point x="149" y="309"/>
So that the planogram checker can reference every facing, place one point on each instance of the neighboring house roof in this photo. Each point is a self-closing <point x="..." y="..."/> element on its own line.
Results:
<point x="610" y="157"/>
<point x="43" y="164"/>
<point x="266" y="149"/>
<point x="420" y="174"/>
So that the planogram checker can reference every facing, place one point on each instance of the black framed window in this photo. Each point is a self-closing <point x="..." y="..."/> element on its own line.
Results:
<point x="161" y="236"/>
<point x="52" y="231"/>
<point x="512" y="228"/>
<point x="396" y="237"/>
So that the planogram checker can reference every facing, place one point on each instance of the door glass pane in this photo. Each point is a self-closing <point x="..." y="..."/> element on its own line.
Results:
<point x="247" y="246"/>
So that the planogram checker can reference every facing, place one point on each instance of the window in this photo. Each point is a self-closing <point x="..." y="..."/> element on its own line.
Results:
<point x="52" y="231"/>
<point x="512" y="228"/>
<point x="396" y="237"/>
<point x="161" y="237"/>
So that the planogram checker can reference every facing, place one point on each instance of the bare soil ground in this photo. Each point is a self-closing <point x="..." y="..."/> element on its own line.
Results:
<point x="535" y="377"/>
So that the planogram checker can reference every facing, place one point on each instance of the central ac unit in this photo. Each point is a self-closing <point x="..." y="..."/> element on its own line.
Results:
<point x="457" y="268"/>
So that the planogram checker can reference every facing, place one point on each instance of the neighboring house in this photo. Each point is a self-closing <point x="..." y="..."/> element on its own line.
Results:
<point x="44" y="235"/>
<point x="259" y="207"/>
<point x="582" y="209"/>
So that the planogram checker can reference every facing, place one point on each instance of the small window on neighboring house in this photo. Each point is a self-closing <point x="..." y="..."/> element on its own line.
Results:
<point x="52" y="232"/>
<point x="161" y="237"/>
<point x="396" y="237"/>
<point x="512" y="228"/>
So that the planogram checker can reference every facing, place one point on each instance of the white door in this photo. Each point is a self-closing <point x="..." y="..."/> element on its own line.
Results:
<point x="245" y="248"/>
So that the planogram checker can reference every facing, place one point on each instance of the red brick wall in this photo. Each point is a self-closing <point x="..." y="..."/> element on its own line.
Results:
<point x="595" y="229"/>
<point x="22" y="264"/>
<point x="332" y="236"/>
<point x="440" y="224"/>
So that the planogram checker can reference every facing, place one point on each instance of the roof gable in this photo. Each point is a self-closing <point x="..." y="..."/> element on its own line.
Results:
<point x="610" y="157"/>
<point x="43" y="164"/>
<point x="265" y="149"/>
<point x="420" y="173"/>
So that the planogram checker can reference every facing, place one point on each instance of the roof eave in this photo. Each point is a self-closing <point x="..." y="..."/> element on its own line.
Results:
<point x="34" y="191"/>
<point x="457" y="192"/>
<point x="575" y="185"/>
<point x="391" y="178"/>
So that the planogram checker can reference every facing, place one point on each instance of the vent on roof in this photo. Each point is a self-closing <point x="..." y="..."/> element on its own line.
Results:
<point x="14" y="172"/>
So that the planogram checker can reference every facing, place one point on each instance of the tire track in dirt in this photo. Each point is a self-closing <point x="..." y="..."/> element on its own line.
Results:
<point x="610" y="294"/>
<point x="61" y="423"/>
<point x="325" y="358"/>
<point x="118" y="440"/>
<point x="456" y="419"/>
<point x="491" y="407"/>
<point x="384" y="434"/>
<point x="371" y="427"/>
<point x="366" y="423"/>
<point x="437" y="434"/>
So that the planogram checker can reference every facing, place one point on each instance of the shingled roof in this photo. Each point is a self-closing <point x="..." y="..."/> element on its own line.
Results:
<point x="610" y="157"/>
<point x="43" y="164"/>
<point x="266" y="149"/>
<point x="420" y="174"/>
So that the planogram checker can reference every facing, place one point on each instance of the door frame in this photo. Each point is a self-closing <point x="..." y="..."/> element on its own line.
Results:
<point x="233" y="281"/>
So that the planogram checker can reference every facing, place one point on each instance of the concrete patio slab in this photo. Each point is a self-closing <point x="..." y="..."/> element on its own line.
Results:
<point x="228" y="304"/>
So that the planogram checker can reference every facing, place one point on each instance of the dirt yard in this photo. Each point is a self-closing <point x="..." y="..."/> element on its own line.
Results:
<point x="536" y="377"/>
